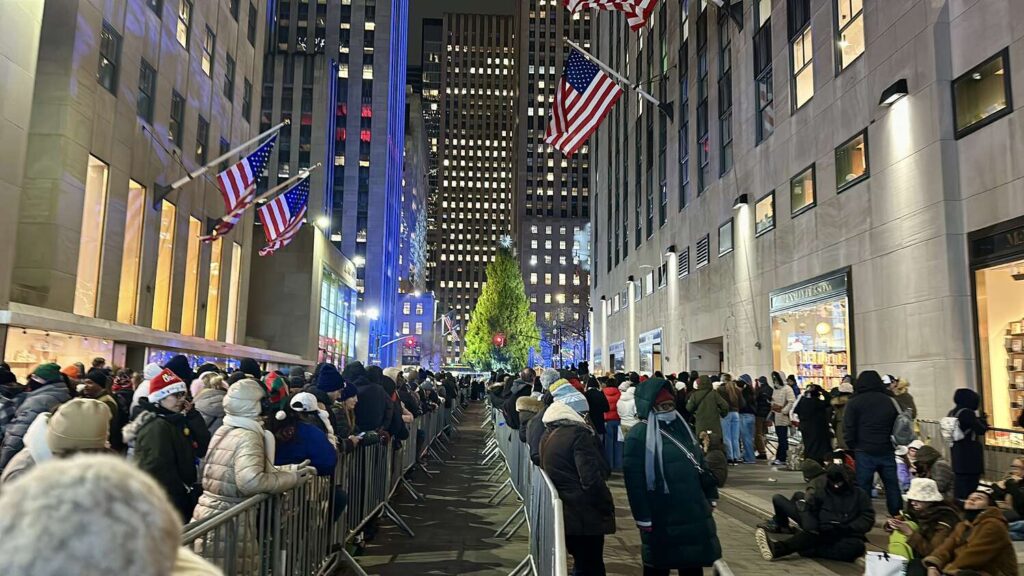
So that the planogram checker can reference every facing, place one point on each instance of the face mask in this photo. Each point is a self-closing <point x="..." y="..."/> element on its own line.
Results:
<point x="666" y="416"/>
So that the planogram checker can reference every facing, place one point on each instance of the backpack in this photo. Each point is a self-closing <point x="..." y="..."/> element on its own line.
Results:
<point x="949" y="427"/>
<point x="903" y="427"/>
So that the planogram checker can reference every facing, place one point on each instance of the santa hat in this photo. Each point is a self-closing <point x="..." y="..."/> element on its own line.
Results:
<point x="164" y="384"/>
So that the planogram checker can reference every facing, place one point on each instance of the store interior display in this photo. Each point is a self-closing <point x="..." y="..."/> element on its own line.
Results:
<point x="27" y="348"/>
<point x="1000" y="301"/>
<point x="812" y="342"/>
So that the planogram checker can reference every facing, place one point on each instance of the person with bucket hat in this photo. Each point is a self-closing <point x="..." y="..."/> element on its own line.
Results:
<point x="46" y="390"/>
<point x="978" y="544"/>
<point x="929" y="463"/>
<point x="928" y="521"/>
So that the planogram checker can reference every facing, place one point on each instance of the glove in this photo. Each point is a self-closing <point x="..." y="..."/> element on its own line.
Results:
<point x="304" y="473"/>
<point x="646" y="527"/>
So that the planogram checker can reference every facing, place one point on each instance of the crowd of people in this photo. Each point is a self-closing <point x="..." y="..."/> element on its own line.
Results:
<point x="674" y="438"/>
<point x="208" y="438"/>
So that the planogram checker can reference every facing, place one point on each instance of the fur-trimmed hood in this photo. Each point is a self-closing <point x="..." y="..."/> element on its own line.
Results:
<point x="528" y="404"/>
<point x="561" y="413"/>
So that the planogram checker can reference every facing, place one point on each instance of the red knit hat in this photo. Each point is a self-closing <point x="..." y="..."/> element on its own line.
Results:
<point x="664" y="396"/>
<point x="164" y="384"/>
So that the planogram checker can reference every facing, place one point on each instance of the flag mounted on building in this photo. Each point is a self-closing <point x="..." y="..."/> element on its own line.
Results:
<point x="584" y="97"/>
<point x="637" y="11"/>
<point x="282" y="217"/>
<point x="238" y="188"/>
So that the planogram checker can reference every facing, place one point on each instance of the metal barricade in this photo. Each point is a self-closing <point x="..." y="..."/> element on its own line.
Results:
<point x="234" y="540"/>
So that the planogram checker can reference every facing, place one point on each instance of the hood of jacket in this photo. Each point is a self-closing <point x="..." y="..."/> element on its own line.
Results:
<point x="867" y="381"/>
<point x="519" y="386"/>
<point x="131" y="430"/>
<point x="928" y="455"/>
<point x="811" y="469"/>
<point x="629" y="394"/>
<point x="210" y="402"/>
<point x="704" y="383"/>
<point x="938" y="512"/>
<point x="559" y="412"/>
<point x="966" y="398"/>
<point x="243" y="399"/>
<point x="528" y="404"/>
<point x="648" y="391"/>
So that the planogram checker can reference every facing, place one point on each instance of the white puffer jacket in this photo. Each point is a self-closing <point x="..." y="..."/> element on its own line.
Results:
<point x="627" y="409"/>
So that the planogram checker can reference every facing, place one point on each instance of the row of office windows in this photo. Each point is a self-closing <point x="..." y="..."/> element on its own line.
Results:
<point x="92" y="244"/>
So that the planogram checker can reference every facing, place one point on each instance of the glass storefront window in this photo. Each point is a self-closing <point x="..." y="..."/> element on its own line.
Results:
<point x="1000" y="302"/>
<point x="234" y="284"/>
<point x="982" y="95"/>
<point x="164" y="262"/>
<point x="190" y="302"/>
<point x="131" y="256"/>
<point x="27" y="348"/>
<point x="337" y="320"/>
<point x="213" y="293"/>
<point x="811" y="334"/>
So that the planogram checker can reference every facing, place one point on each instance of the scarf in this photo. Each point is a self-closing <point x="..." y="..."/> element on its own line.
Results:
<point x="269" y="443"/>
<point x="653" y="452"/>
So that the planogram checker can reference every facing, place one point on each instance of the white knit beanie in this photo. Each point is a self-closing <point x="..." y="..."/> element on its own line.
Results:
<point x="90" y="515"/>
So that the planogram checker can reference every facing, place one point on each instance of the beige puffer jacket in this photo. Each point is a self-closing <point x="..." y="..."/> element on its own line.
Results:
<point x="237" y="466"/>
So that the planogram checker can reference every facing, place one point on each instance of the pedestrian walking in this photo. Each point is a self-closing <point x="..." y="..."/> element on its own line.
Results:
<point x="968" y="452"/>
<point x="707" y="406"/>
<point x="867" y="426"/>
<point x="813" y="413"/>
<point x="748" y="417"/>
<point x="782" y="403"/>
<point x="671" y="493"/>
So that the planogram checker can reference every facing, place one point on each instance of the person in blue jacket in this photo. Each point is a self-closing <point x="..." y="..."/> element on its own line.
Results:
<point x="298" y="439"/>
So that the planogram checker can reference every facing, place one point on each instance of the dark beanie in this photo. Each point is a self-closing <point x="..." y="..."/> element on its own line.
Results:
<point x="375" y="375"/>
<point x="329" y="380"/>
<point x="98" y="376"/>
<point x="250" y="367"/>
<point x="181" y="368"/>
<point x="7" y="377"/>
<point x="354" y="371"/>
<point x="348" y="391"/>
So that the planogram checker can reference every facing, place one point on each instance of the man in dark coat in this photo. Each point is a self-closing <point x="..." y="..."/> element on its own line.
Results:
<point x="814" y="414"/>
<point x="571" y="457"/>
<point x="372" y="406"/>
<point x="519" y="389"/>
<point x="968" y="454"/>
<point x="833" y="526"/>
<point x="788" y="508"/>
<point x="46" y="391"/>
<point x="867" y="429"/>
<point x="597" y="404"/>
<point x="763" y="409"/>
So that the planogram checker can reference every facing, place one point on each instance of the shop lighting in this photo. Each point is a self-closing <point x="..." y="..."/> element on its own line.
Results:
<point x="894" y="92"/>
<point x="740" y="202"/>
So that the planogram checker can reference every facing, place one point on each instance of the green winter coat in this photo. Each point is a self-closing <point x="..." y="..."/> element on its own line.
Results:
<point x="682" y="528"/>
<point x="707" y="406"/>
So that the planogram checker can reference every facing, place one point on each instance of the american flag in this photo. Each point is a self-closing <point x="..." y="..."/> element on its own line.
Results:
<point x="637" y="11"/>
<point x="238" y="188"/>
<point x="449" y="328"/>
<point x="282" y="216"/>
<point x="585" y="96"/>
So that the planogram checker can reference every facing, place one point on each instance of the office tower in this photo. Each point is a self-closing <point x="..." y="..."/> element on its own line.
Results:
<point x="551" y="192"/>
<point x="337" y="71"/>
<point x="475" y="172"/>
<point x="432" y="49"/>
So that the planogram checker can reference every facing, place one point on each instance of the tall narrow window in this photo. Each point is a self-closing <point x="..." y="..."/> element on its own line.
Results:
<point x="164" y="267"/>
<point x="147" y="91"/>
<point x="724" y="92"/>
<point x="213" y="293"/>
<point x="131" y="256"/>
<point x="246" y="99"/>
<point x="90" y="244"/>
<point x="801" y="49"/>
<point x="209" y="44"/>
<point x="202" y="140"/>
<point x="156" y="6"/>
<point x="251" y="25"/>
<point x="725" y="238"/>
<point x="765" y="96"/>
<point x="849" y="32"/>
<point x="684" y="108"/>
<point x="233" y="8"/>
<point x="662" y="119"/>
<point x="110" y="58"/>
<point x="229" y="78"/>
<point x="233" y="287"/>
<point x="191" y="297"/>
<point x="184" y="22"/>
<point x="176" y="125"/>
<point x="801" y="192"/>
<point x="703" y="141"/>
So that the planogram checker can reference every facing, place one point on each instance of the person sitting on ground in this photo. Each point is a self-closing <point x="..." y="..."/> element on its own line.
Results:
<point x="92" y="515"/>
<point x="924" y="525"/>
<point x="570" y="454"/>
<point x="928" y="463"/>
<point x="791" y="508"/>
<point x="78" y="425"/>
<point x="45" y="391"/>
<point x="833" y="526"/>
<point x="671" y="491"/>
<point x="979" y="544"/>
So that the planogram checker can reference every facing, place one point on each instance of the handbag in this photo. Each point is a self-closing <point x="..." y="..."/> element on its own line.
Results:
<point x="707" y="477"/>
<point x="884" y="564"/>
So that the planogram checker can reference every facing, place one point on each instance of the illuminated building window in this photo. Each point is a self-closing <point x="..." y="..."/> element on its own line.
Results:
<point x="90" y="244"/>
<point x="164" y="263"/>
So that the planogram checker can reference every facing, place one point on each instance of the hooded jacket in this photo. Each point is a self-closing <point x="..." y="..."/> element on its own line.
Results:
<point x="783" y="397"/>
<point x="846" y="513"/>
<point x="572" y="459"/>
<point x="508" y="408"/>
<point x="612" y="395"/>
<point x="813" y="411"/>
<point x="968" y="454"/>
<point x="982" y="546"/>
<point x="372" y="407"/>
<point x="938" y="470"/>
<point x="41" y="398"/>
<point x="626" y="407"/>
<point x="870" y="415"/>
<point x="934" y="524"/>
<point x="598" y="405"/>
<point x="162" y="446"/>
<point x="682" y="529"/>
<point x="707" y="406"/>
<point x="763" y="402"/>
<point x="839" y="401"/>
<point x="210" y="405"/>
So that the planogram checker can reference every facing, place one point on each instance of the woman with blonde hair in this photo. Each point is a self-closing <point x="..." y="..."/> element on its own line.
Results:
<point x="209" y="399"/>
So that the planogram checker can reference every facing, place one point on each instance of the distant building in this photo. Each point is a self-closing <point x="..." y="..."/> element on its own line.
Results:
<point x="432" y="50"/>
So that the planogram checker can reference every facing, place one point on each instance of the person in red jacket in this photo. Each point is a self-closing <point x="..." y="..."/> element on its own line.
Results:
<point x="612" y="440"/>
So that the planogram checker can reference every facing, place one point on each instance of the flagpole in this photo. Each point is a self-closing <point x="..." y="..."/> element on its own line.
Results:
<point x="665" y="108"/>
<point x="161" y="192"/>
<point x="304" y="173"/>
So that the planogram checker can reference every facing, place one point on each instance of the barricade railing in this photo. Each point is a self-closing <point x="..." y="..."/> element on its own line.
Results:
<point x="301" y="531"/>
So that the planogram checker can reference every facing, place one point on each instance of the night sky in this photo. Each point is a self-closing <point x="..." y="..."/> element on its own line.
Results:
<point x="420" y="9"/>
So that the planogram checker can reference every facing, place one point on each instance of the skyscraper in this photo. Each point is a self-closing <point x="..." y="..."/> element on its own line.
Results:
<point x="430" y="90"/>
<point x="551" y="193"/>
<point x="475" y="172"/>
<point x="341" y="67"/>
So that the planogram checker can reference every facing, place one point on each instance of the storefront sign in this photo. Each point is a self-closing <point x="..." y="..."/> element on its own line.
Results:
<point x="998" y="245"/>
<point x="813" y="291"/>
<point x="648" y="339"/>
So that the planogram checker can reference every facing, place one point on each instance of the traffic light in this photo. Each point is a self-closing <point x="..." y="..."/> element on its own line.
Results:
<point x="410" y="342"/>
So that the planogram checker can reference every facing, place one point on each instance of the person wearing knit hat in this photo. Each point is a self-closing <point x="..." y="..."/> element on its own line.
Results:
<point x="72" y="372"/>
<point x="277" y="390"/>
<point x="572" y="398"/>
<point x="179" y="364"/>
<point x="45" y="391"/>
<point x="411" y="375"/>
<point x="161" y="440"/>
<point x="142" y="391"/>
<point x="330" y="381"/>
<point x="251" y="367"/>
<point x="548" y="377"/>
<point x="78" y="425"/>
<point x="92" y="514"/>
<point x="94" y="386"/>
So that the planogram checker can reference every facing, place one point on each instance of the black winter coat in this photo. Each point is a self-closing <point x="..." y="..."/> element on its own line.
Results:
<point x="849" y="514"/>
<point x="597" y="403"/>
<point x="508" y="409"/>
<point x="572" y="459"/>
<point x="814" y="412"/>
<point x="534" y="434"/>
<point x="764" y="400"/>
<point x="372" y="409"/>
<point x="968" y="454"/>
<point x="410" y="401"/>
<point x="870" y="415"/>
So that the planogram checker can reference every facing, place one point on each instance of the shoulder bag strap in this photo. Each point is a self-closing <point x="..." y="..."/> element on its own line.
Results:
<point x="688" y="453"/>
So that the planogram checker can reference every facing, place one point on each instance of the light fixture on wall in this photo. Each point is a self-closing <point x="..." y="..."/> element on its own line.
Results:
<point x="670" y="250"/>
<point x="894" y="92"/>
<point x="630" y="279"/>
<point x="740" y="202"/>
